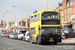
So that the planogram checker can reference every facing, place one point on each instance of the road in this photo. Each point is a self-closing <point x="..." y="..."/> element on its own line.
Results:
<point x="11" y="44"/>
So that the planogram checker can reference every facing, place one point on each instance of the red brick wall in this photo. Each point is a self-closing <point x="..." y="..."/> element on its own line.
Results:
<point x="23" y="23"/>
<point x="27" y="23"/>
<point x="73" y="8"/>
<point x="20" y="23"/>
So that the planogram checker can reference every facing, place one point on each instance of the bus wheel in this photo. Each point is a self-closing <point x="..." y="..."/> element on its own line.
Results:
<point x="55" y="43"/>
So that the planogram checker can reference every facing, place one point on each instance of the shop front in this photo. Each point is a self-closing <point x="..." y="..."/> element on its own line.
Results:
<point x="73" y="21"/>
<point x="69" y="25"/>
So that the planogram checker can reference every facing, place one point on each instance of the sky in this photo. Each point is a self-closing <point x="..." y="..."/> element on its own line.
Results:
<point x="20" y="6"/>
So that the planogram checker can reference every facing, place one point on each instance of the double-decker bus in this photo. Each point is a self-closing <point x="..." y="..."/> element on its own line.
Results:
<point x="45" y="27"/>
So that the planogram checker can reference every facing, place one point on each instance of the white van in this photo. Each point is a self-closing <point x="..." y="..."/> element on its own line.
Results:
<point x="26" y="36"/>
<point x="21" y="34"/>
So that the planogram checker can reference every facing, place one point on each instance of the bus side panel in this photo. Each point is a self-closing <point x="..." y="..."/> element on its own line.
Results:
<point x="36" y="26"/>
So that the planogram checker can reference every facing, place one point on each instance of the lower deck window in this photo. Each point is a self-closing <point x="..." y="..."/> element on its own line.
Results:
<point x="33" y="30"/>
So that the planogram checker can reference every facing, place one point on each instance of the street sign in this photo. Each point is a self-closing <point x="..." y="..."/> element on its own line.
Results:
<point x="11" y="28"/>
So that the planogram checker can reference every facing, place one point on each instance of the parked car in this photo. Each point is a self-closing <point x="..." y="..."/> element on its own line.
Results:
<point x="3" y="34"/>
<point x="71" y="31"/>
<point x="21" y="34"/>
<point x="16" y="36"/>
<point x="66" y="31"/>
<point x="6" y="35"/>
<point x="11" y="35"/>
<point x="26" y="36"/>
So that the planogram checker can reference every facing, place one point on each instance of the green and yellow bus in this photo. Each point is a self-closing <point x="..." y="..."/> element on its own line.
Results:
<point x="45" y="27"/>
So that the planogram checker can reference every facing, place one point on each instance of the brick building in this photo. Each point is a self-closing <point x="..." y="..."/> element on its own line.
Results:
<point x="19" y="23"/>
<point x="22" y="23"/>
<point x="67" y="13"/>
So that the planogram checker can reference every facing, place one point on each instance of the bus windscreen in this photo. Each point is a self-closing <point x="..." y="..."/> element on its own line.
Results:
<point x="50" y="18"/>
<point x="53" y="30"/>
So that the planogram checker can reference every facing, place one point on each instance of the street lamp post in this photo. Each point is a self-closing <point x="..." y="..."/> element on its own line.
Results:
<point x="26" y="14"/>
<point x="14" y="14"/>
<point x="8" y="19"/>
<point x="8" y="16"/>
<point x="15" y="18"/>
<point x="5" y="17"/>
<point x="2" y="22"/>
<point x="5" y="20"/>
<point x="46" y="5"/>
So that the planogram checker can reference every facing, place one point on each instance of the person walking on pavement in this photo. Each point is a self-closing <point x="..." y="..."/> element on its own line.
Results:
<point x="63" y="35"/>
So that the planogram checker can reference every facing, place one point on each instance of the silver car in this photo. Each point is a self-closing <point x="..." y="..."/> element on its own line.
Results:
<point x="16" y="36"/>
<point x="11" y="35"/>
<point x="3" y="34"/>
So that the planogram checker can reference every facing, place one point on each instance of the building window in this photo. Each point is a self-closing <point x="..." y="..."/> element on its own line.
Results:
<point x="67" y="12"/>
<point x="60" y="7"/>
<point x="67" y="19"/>
<point x="38" y="17"/>
<point x="35" y="17"/>
<point x="67" y="5"/>
<point x="61" y="13"/>
<point x="70" y="3"/>
<point x="61" y="20"/>
<point x="70" y="11"/>
<point x="70" y="18"/>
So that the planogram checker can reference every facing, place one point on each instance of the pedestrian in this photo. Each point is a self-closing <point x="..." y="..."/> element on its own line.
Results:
<point x="63" y="35"/>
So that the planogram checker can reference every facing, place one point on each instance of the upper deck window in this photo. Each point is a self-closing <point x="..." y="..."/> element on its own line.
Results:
<point x="38" y="17"/>
<point x="31" y="19"/>
<point x="50" y="15"/>
<point x="50" y="18"/>
<point x="35" y="18"/>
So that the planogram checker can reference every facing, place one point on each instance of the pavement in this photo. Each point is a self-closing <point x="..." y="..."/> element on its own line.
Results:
<point x="68" y="40"/>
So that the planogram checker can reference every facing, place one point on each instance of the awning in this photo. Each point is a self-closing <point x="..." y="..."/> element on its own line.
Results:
<point x="72" y="17"/>
<point x="65" y="26"/>
<point x="11" y="28"/>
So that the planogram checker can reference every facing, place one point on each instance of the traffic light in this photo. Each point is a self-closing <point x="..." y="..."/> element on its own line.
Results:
<point x="2" y="23"/>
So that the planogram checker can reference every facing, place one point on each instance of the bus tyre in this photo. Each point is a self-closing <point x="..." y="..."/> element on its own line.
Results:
<point x="55" y="43"/>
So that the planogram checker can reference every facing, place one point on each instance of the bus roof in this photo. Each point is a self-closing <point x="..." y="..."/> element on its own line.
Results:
<point x="45" y="11"/>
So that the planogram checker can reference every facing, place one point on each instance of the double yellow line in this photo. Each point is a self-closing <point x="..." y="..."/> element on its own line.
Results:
<point x="3" y="48"/>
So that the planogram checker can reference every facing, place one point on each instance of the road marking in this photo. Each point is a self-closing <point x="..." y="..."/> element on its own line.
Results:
<point x="10" y="48"/>
<point x="3" y="48"/>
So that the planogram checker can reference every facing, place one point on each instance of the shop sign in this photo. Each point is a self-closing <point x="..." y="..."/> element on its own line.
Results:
<point x="11" y="28"/>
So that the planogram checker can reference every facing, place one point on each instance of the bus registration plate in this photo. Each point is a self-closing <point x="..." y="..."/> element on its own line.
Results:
<point x="51" y="40"/>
